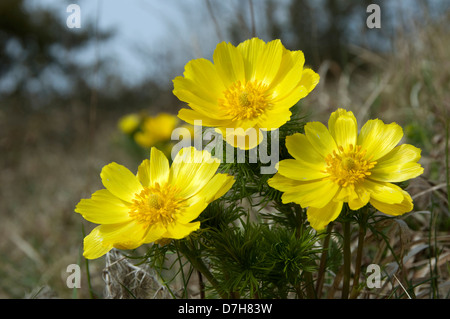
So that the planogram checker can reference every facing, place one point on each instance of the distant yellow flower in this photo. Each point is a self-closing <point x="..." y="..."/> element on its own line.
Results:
<point x="158" y="203"/>
<point x="250" y="87"/>
<point x="129" y="123"/>
<point x="336" y="165"/>
<point x="156" y="129"/>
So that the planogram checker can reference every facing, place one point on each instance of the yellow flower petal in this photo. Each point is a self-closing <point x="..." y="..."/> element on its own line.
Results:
<point x="289" y="73"/>
<point x="343" y="128"/>
<point x="282" y="183"/>
<point x="104" y="237"/>
<point x="144" y="173"/>
<point x="361" y="199"/>
<point x="239" y="127"/>
<point x="94" y="246"/>
<point x="243" y="138"/>
<point x="346" y="194"/>
<point x="398" y="165"/>
<point x="250" y="50"/>
<point x="178" y="230"/>
<point x="190" y="116"/>
<point x="204" y="74"/>
<point x="319" y="218"/>
<point x="274" y="118"/>
<point x="154" y="232"/>
<point x="398" y="173"/>
<point x="103" y="208"/>
<point x="229" y="63"/>
<point x="187" y="91"/>
<point x="406" y="205"/>
<point x="296" y="170"/>
<point x="320" y="138"/>
<point x="218" y="186"/>
<point x="120" y="181"/>
<point x="384" y="192"/>
<point x="191" y="170"/>
<point x="289" y="99"/>
<point x="159" y="167"/>
<point x="314" y="193"/>
<point x="128" y="242"/>
<point x="302" y="150"/>
<point x="268" y="62"/>
<point x="130" y="234"/>
<point x="309" y="80"/>
<point x="191" y="212"/>
<point x="378" y="138"/>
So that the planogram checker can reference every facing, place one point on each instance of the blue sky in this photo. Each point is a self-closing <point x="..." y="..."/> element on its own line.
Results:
<point x="140" y="28"/>
<point x="145" y="29"/>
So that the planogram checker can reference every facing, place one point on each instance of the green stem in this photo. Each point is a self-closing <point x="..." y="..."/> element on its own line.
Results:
<point x="323" y="261"/>
<point x="299" y="219"/>
<point x="309" y="282"/>
<point x="182" y="275"/>
<point x="309" y="286"/>
<point x="361" y="236"/>
<point x="88" y="275"/>
<point x="347" y="260"/>
<point x="202" y="285"/>
<point x="200" y="266"/>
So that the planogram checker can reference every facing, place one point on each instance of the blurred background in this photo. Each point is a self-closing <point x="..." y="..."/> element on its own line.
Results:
<point x="64" y="90"/>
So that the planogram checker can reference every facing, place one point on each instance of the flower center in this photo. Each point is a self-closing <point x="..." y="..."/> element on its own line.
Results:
<point x="348" y="167"/>
<point x="245" y="100"/>
<point x="155" y="205"/>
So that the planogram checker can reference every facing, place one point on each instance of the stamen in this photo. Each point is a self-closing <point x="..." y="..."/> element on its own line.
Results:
<point x="245" y="100"/>
<point x="155" y="205"/>
<point x="348" y="167"/>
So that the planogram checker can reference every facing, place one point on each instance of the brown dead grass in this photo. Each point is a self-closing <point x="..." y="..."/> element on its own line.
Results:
<point x="50" y="163"/>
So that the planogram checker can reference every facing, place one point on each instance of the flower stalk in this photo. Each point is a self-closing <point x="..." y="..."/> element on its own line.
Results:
<point x="359" y="252"/>
<point x="200" y="266"/>
<point x="347" y="259"/>
<point x="323" y="261"/>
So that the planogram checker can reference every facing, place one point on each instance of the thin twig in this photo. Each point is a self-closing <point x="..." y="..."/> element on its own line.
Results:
<point x="213" y="17"/>
<point x="431" y="189"/>
<point x="252" y="17"/>
<point x="402" y="287"/>
<point x="94" y="89"/>
<point x="447" y="160"/>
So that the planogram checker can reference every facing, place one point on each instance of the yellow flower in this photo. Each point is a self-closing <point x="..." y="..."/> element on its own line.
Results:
<point x="159" y="202"/>
<point x="156" y="129"/>
<point x="336" y="165"/>
<point x="129" y="123"/>
<point x="249" y="88"/>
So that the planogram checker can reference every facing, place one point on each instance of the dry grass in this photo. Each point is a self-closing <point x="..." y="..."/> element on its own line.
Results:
<point x="50" y="164"/>
<point x="49" y="161"/>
